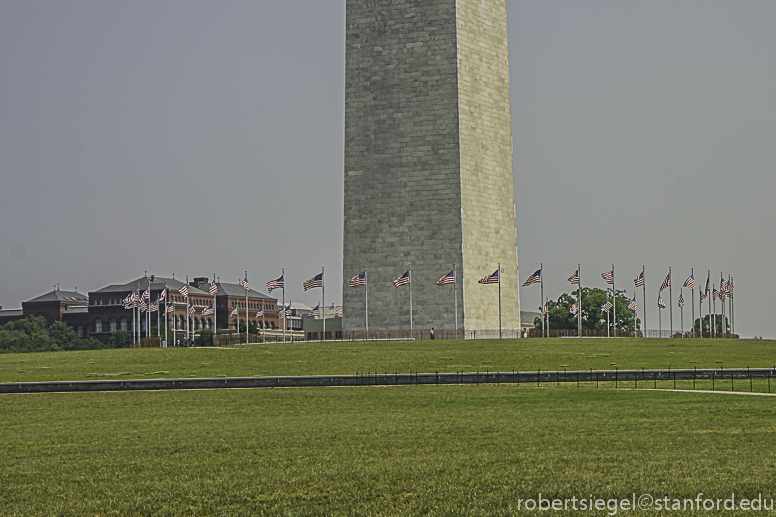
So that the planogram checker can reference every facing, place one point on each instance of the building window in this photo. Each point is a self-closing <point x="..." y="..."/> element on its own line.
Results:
<point x="113" y="324"/>
<point x="124" y="324"/>
<point x="80" y="331"/>
<point x="97" y="325"/>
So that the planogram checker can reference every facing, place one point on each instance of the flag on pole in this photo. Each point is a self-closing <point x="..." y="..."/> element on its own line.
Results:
<point x="708" y="284"/>
<point x="147" y="293"/>
<point x="129" y="300"/>
<point x="730" y="289"/>
<point x="359" y="279"/>
<point x="260" y="314"/>
<point x="666" y="282"/>
<point x="245" y="284"/>
<point x="402" y="280"/>
<point x="690" y="282"/>
<point x="163" y="295"/>
<point x="632" y="305"/>
<point x="447" y="279"/>
<point x="154" y="307"/>
<point x="184" y="291"/>
<point x="574" y="279"/>
<point x="234" y="312"/>
<point x="609" y="277"/>
<point x="660" y="303"/>
<point x="213" y="289"/>
<point x="276" y="284"/>
<point x="315" y="312"/>
<point x="143" y="305"/>
<point x="681" y="300"/>
<point x="607" y="306"/>
<point x="574" y="308"/>
<point x="534" y="279"/>
<point x="715" y="294"/>
<point x="490" y="279"/>
<point x="170" y="308"/>
<point x="545" y="310"/>
<point x="339" y="312"/>
<point x="207" y="311"/>
<point x="639" y="280"/>
<point x="313" y="282"/>
<point x="703" y="296"/>
<point x="192" y="310"/>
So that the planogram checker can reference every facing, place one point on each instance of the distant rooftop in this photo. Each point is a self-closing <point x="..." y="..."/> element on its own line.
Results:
<point x="61" y="296"/>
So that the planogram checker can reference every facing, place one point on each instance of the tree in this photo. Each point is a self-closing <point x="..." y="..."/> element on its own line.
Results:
<point x="120" y="339"/>
<point x="592" y="317"/>
<point x="63" y="335"/>
<point x="718" y="322"/>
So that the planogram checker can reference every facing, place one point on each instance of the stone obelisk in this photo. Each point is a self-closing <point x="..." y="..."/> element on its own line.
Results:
<point x="428" y="164"/>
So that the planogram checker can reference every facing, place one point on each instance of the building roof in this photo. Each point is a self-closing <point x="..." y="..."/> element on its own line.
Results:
<point x="225" y="289"/>
<point x="157" y="284"/>
<point x="77" y="310"/>
<point x="11" y="313"/>
<point x="61" y="296"/>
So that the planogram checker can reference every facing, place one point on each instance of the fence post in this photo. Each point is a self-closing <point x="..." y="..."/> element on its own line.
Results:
<point x="538" y="373"/>
<point x="749" y="374"/>
<point x="694" y="373"/>
<point x="616" y="376"/>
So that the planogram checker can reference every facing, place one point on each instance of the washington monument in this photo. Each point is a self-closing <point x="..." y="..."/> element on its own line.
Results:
<point x="428" y="165"/>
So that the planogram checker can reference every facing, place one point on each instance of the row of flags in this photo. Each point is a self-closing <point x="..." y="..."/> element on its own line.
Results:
<point x="405" y="279"/>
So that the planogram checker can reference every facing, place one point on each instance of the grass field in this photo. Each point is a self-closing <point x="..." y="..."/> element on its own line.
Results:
<point x="388" y="356"/>
<point x="418" y="450"/>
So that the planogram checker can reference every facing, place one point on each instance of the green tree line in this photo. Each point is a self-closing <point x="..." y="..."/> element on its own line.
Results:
<point x="32" y="335"/>
<point x="593" y="317"/>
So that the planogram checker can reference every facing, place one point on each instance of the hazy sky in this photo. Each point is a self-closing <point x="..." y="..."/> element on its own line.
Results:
<point x="198" y="137"/>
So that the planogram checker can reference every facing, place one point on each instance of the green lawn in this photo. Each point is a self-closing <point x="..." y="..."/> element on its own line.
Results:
<point x="388" y="356"/>
<point x="418" y="450"/>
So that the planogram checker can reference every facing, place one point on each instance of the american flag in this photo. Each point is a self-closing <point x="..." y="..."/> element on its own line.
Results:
<point x="213" y="289"/>
<point x="690" y="282"/>
<point x="681" y="300"/>
<point x="447" y="279"/>
<point x="492" y="278"/>
<point x="722" y="295"/>
<point x="147" y="293"/>
<point x="284" y="313"/>
<point x="708" y="284"/>
<point x="609" y="277"/>
<point x="534" y="279"/>
<point x="143" y="305"/>
<point x="313" y="282"/>
<point x="234" y="311"/>
<point x="544" y="310"/>
<point x="632" y="305"/>
<point x="666" y="282"/>
<point x="192" y="310"/>
<point x="129" y="300"/>
<point x="154" y="306"/>
<point x="607" y="306"/>
<point x="207" y="311"/>
<point x="339" y="312"/>
<point x="184" y="291"/>
<point x="314" y="313"/>
<point x="260" y="314"/>
<point x="402" y="280"/>
<point x="276" y="284"/>
<point x="723" y="285"/>
<point x="660" y="303"/>
<point x="170" y="308"/>
<point x="639" y="281"/>
<point x="245" y="284"/>
<point x="574" y="308"/>
<point x="359" y="279"/>
<point x="703" y="296"/>
<point x="730" y="289"/>
<point x="574" y="279"/>
<point x="163" y="294"/>
<point x="715" y="294"/>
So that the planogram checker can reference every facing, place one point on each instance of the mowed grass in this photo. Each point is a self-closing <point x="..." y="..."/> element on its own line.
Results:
<point x="388" y="356"/>
<point x="417" y="450"/>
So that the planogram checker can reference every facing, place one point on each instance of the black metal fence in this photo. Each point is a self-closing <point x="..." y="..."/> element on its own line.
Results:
<point x="721" y="379"/>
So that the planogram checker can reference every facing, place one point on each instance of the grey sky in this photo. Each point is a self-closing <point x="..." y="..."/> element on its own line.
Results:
<point x="200" y="137"/>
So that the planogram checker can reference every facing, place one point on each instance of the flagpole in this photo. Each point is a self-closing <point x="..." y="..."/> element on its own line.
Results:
<point x="455" y="300"/>
<point x="692" y="294"/>
<point x="670" y="302"/>
<point x="732" y="312"/>
<point x="681" y="310"/>
<point x="137" y="304"/>
<point x="579" y="301"/>
<point x="635" y="315"/>
<point x="366" y="301"/>
<point x="607" y="323"/>
<point x="659" y="318"/>
<point x="410" y="279"/>
<point x="499" y="301"/>
<point x="614" y="301"/>
<point x="541" y="300"/>
<point x="188" y="338"/>
<point x="547" y="303"/>
<point x="263" y="325"/>
<point x="714" y="313"/>
<point x="283" y="275"/>
<point x="644" y="287"/>
<point x="323" y="295"/>
<point x="166" y="318"/>
<point x="291" y="331"/>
